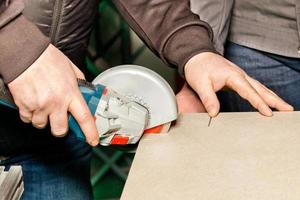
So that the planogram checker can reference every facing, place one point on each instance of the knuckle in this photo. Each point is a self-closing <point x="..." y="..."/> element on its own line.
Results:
<point x="256" y="82"/>
<point x="45" y="101"/>
<point x="268" y="96"/>
<point x="25" y="116"/>
<point x="210" y="107"/>
<point x="232" y="80"/>
<point x="38" y="123"/>
<point x="59" y="126"/>
<point x="50" y="101"/>
<point x="31" y="105"/>
<point x="59" y="131"/>
<point x="259" y="105"/>
<point x="35" y="121"/>
<point x="40" y="104"/>
<point x="55" y="102"/>
<point x="206" y="100"/>
<point x="25" y="113"/>
<point x="274" y="104"/>
<point x="246" y="95"/>
<point x="236" y="74"/>
<point x="25" y="119"/>
<point x="61" y="100"/>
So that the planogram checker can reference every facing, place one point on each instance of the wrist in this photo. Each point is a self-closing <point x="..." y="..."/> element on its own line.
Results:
<point x="196" y="61"/>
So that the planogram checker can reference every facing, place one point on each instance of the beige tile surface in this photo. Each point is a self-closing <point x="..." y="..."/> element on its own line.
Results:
<point x="240" y="156"/>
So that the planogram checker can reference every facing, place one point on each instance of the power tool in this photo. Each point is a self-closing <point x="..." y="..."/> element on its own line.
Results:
<point x="126" y="101"/>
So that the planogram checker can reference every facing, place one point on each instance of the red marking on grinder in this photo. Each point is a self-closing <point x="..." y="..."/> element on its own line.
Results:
<point x="119" y="140"/>
<point x="104" y="91"/>
<point x="154" y="130"/>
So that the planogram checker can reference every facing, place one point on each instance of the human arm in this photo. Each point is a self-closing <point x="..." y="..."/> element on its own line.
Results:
<point x="41" y="79"/>
<point x="182" y="40"/>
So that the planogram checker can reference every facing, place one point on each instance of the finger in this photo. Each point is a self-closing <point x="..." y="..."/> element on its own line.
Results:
<point x="39" y="119"/>
<point x="288" y="106"/>
<point x="208" y="97"/>
<point x="25" y="116"/>
<point x="82" y="115"/>
<point x="269" y="96"/>
<point x="59" y="123"/>
<point x="239" y="84"/>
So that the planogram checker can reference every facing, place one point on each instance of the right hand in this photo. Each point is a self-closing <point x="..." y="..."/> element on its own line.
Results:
<point x="48" y="89"/>
<point x="208" y="73"/>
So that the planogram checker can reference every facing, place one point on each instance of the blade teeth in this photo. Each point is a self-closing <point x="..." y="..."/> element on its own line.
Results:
<point x="140" y="101"/>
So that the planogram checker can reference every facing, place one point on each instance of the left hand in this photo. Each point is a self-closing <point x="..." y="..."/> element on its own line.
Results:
<point x="207" y="73"/>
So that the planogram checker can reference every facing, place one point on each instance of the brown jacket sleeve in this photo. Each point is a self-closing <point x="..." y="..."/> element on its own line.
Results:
<point x="169" y="28"/>
<point x="21" y="43"/>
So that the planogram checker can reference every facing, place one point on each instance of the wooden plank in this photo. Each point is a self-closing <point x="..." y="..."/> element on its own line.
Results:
<point x="240" y="156"/>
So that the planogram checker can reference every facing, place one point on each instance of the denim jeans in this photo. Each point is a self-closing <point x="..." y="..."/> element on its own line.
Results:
<point x="59" y="171"/>
<point x="280" y="74"/>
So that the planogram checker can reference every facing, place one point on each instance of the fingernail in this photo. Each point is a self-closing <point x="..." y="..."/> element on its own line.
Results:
<point x="290" y="108"/>
<point x="268" y="112"/>
<point x="213" y="112"/>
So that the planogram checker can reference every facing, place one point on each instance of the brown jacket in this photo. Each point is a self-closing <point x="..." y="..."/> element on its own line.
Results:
<point x="168" y="27"/>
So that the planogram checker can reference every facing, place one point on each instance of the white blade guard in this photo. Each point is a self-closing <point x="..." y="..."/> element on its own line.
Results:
<point x="145" y="87"/>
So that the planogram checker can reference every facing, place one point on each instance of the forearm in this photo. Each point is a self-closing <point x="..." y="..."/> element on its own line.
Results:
<point x="169" y="28"/>
<point x="21" y="43"/>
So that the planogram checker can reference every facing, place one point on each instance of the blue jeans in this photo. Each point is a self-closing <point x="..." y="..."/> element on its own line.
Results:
<point x="280" y="74"/>
<point x="60" y="170"/>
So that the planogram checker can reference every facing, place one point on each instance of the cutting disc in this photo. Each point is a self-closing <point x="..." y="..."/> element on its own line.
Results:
<point x="145" y="87"/>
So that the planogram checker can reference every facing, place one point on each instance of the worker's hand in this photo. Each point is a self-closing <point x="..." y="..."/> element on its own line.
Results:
<point x="188" y="101"/>
<point x="208" y="73"/>
<point x="48" y="89"/>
